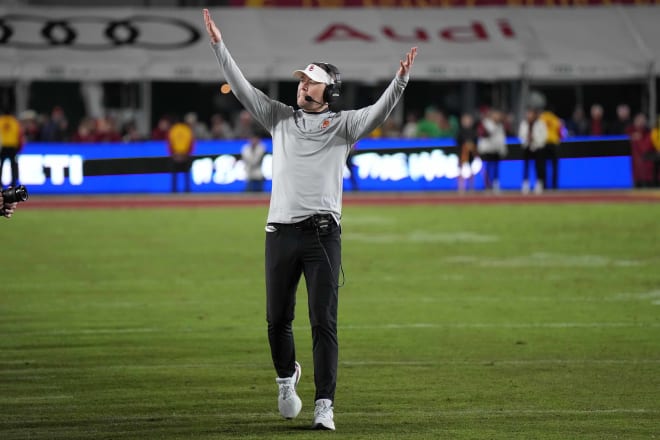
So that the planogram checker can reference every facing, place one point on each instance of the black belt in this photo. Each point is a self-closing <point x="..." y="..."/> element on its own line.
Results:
<point x="317" y="221"/>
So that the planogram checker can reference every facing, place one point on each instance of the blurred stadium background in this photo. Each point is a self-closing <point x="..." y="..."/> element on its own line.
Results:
<point x="112" y="71"/>
<point x="509" y="317"/>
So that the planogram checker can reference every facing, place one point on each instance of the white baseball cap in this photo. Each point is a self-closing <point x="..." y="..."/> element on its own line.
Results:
<point x="315" y="73"/>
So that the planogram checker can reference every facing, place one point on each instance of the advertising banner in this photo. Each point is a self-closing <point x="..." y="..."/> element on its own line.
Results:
<point x="379" y="165"/>
<point x="562" y="44"/>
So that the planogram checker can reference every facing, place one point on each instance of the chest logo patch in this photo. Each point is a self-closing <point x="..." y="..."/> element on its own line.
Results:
<point x="325" y="123"/>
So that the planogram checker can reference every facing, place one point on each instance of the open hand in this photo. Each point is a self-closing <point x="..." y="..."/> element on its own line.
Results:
<point x="211" y="28"/>
<point x="406" y="64"/>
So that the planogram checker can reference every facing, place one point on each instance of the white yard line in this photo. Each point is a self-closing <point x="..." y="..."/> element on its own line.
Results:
<point x="422" y="237"/>
<point x="545" y="259"/>
<point x="480" y="412"/>
<point x="477" y="325"/>
<point x="394" y="415"/>
<point x="349" y="327"/>
<point x="513" y="362"/>
<point x="39" y="398"/>
<point x="82" y="332"/>
<point x="483" y="363"/>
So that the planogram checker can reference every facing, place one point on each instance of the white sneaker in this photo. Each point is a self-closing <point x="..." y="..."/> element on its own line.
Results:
<point x="496" y="186"/>
<point x="538" y="188"/>
<point x="288" y="401"/>
<point x="324" y="415"/>
<point x="525" y="187"/>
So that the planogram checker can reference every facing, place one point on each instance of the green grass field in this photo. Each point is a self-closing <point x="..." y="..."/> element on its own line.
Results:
<point x="456" y="322"/>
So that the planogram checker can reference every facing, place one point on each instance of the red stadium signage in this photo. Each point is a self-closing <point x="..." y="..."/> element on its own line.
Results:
<point x="474" y="32"/>
<point x="430" y="3"/>
<point x="126" y="44"/>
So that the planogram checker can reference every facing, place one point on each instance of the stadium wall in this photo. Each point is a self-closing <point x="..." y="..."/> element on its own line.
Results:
<point x="380" y="165"/>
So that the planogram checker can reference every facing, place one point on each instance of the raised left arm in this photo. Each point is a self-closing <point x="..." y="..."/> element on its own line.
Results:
<point x="406" y="64"/>
<point x="365" y="120"/>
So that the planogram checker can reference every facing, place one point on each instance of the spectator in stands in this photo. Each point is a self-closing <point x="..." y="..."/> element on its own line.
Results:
<point x="622" y="124"/>
<point x="577" y="125"/>
<point x="30" y="126"/>
<point x="86" y="131"/>
<point x="555" y="128"/>
<point x="409" y="127"/>
<point x="253" y="154"/>
<point x="655" y="155"/>
<point x="429" y="125"/>
<point x="436" y="124"/>
<point x="448" y="125"/>
<point x="491" y="147"/>
<point x="245" y="126"/>
<point x="655" y="135"/>
<point x="510" y="126"/>
<point x="132" y="133"/>
<point x="106" y="130"/>
<point x="376" y="133"/>
<point x="220" y="128"/>
<point x="597" y="125"/>
<point x="200" y="131"/>
<point x="391" y="128"/>
<point x="56" y="128"/>
<point x="180" y="142"/>
<point x="533" y="135"/>
<point x="11" y="142"/>
<point x="162" y="128"/>
<point x="466" y="141"/>
<point x="409" y="130"/>
<point x="641" y="149"/>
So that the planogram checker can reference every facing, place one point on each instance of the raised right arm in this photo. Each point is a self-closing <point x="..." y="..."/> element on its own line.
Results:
<point x="254" y="100"/>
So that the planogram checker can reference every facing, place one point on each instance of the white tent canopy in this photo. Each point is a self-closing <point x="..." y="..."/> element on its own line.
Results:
<point x="548" y="44"/>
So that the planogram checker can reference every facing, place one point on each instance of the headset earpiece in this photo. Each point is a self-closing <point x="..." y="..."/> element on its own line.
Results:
<point x="332" y="91"/>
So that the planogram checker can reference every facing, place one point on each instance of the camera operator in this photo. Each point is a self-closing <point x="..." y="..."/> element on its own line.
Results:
<point x="7" y="209"/>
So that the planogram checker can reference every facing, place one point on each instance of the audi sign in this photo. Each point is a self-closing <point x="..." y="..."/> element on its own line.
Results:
<point x="94" y="33"/>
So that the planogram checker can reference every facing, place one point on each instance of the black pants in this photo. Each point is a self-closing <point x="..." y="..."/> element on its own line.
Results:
<point x="539" y="163"/>
<point x="552" y="178"/>
<point x="9" y="153"/>
<point x="293" y="250"/>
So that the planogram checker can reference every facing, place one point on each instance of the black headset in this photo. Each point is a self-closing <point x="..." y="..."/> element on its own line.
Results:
<point x="332" y="91"/>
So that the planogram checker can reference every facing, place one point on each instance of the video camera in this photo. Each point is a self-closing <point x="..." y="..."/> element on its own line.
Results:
<point x="17" y="194"/>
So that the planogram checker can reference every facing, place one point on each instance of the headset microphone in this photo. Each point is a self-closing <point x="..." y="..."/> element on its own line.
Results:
<point x="310" y="99"/>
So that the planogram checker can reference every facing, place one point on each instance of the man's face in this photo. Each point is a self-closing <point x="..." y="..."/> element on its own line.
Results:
<point x="313" y="89"/>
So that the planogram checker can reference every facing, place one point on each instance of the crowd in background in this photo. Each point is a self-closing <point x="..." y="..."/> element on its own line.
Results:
<point x="540" y="133"/>
<point x="55" y="127"/>
<point x="472" y="133"/>
<point x="432" y="122"/>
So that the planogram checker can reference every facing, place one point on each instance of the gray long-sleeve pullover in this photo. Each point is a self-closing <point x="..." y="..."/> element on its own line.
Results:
<point x="309" y="149"/>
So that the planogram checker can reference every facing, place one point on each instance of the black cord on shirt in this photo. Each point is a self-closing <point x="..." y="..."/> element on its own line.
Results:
<point x="327" y="258"/>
